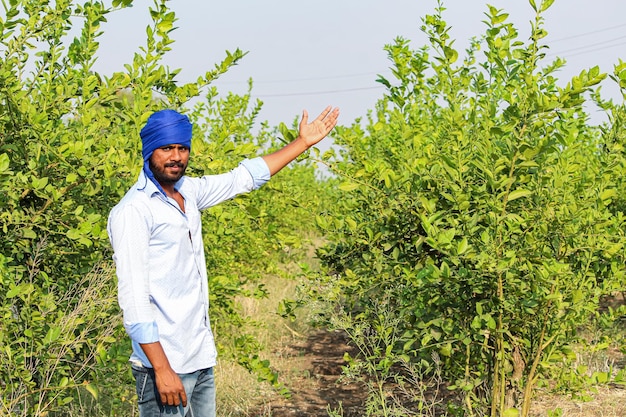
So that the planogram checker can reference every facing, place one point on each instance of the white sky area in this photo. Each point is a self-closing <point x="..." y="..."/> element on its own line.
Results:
<point x="306" y="55"/>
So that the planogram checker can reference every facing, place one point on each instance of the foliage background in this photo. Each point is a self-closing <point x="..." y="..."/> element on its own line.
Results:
<point x="474" y="221"/>
<point x="482" y="217"/>
<point x="69" y="150"/>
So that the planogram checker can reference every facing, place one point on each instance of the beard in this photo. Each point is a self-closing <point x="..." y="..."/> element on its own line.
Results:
<point x="165" y="178"/>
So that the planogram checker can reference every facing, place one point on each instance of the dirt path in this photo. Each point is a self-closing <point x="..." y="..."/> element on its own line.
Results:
<point x="317" y="385"/>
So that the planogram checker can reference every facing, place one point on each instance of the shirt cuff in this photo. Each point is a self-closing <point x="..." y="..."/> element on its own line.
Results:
<point x="143" y="332"/>
<point x="258" y="169"/>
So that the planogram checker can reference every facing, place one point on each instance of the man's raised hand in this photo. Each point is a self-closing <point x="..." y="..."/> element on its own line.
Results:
<point x="318" y="129"/>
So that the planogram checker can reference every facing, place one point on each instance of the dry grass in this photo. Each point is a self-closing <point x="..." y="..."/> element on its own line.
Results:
<point x="606" y="402"/>
<point x="600" y="400"/>
<point x="239" y="393"/>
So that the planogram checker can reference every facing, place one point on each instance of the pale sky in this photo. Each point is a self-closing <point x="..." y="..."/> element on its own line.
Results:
<point x="329" y="52"/>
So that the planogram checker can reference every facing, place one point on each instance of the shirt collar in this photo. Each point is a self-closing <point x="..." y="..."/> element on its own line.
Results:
<point x="144" y="184"/>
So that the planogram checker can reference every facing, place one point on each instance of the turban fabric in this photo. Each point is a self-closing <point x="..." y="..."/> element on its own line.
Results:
<point x="164" y="127"/>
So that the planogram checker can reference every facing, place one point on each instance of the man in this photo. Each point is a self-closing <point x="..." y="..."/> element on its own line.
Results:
<point x="155" y="231"/>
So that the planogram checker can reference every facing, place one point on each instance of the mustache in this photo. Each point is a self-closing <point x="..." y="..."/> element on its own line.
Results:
<point x="174" y="164"/>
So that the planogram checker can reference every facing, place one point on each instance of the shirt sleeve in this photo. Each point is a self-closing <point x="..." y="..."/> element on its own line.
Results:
<point x="129" y="234"/>
<point x="258" y="169"/>
<point x="142" y="332"/>
<point x="210" y="190"/>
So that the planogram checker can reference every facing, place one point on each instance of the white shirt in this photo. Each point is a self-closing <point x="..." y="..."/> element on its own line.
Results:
<point x="160" y="264"/>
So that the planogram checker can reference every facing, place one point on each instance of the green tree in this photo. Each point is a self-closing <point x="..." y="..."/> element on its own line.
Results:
<point x="482" y="215"/>
<point x="69" y="150"/>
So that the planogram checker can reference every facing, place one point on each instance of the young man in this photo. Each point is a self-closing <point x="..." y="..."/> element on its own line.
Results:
<point x="155" y="231"/>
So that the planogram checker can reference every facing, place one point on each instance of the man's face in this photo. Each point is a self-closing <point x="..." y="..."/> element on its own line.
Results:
<point x="168" y="163"/>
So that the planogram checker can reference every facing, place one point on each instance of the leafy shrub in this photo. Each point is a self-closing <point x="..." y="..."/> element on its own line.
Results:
<point x="69" y="150"/>
<point x="481" y="204"/>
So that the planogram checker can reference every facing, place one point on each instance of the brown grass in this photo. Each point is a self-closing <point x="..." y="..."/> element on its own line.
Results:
<point x="239" y="392"/>
<point x="607" y="401"/>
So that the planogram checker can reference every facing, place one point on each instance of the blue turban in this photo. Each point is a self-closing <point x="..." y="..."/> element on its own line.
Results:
<point x="164" y="127"/>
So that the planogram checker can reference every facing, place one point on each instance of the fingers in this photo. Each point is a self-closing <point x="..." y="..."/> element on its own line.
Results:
<point x="330" y="118"/>
<point x="174" y="399"/>
<point x="168" y="399"/>
<point x="324" y="113"/>
<point x="305" y="118"/>
<point x="315" y="131"/>
<point x="328" y="114"/>
<point x="171" y="390"/>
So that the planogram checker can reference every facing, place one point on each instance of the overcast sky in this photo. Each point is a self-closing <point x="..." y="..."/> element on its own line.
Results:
<point x="312" y="54"/>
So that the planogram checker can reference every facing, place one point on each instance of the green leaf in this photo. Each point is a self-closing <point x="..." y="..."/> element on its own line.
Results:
<point x="14" y="291"/>
<point x="608" y="194"/>
<point x="288" y="134"/>
<point x="545" y="5"/>
<point x="253" y="211"/>
<point x="93" y="390"/>
<point x="71" y="177"/>
<point x="519" y="193"/>
<point x="4" y="162"/>
<point x="321" y="222"/>
<point x="601" y="377"/>
<point x="28" y="233"/>
<point x="446" y="350"/>
<point x="424" y="272"/>
<point x="499" y="18"/>
<point x="462" y="246"/>
<point x="451" y="54"/>
<point x="511" y="412"/>
<point x="65" y="400"/>
<point x="348" y="186"/>
<point x="74" y="234"/>
<point x="352" y="224"/>
<point x="52" y="335"/>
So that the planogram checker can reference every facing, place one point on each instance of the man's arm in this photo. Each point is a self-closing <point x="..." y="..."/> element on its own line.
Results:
<point x="168" y="382"/>
<point x="309" y="135"/>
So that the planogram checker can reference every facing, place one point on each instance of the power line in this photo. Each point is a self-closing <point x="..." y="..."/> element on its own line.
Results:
<point x="344" y="76"/>
<point x="588" y="33"/>
<point x="597" y="49"/>
<point x="583" y="47"/>
<point x="334" y="77"/>
<point x="315" y="93"/>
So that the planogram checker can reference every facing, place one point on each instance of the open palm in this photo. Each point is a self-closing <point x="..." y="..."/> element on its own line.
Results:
<point x="317" y="130"/>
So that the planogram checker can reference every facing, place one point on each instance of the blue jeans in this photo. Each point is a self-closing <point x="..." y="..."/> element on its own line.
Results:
<point x="199" y="387"/>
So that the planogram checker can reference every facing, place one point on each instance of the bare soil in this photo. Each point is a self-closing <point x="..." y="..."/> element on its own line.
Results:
<point x="315" y="383"/>
<point x="313" y="369"/>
